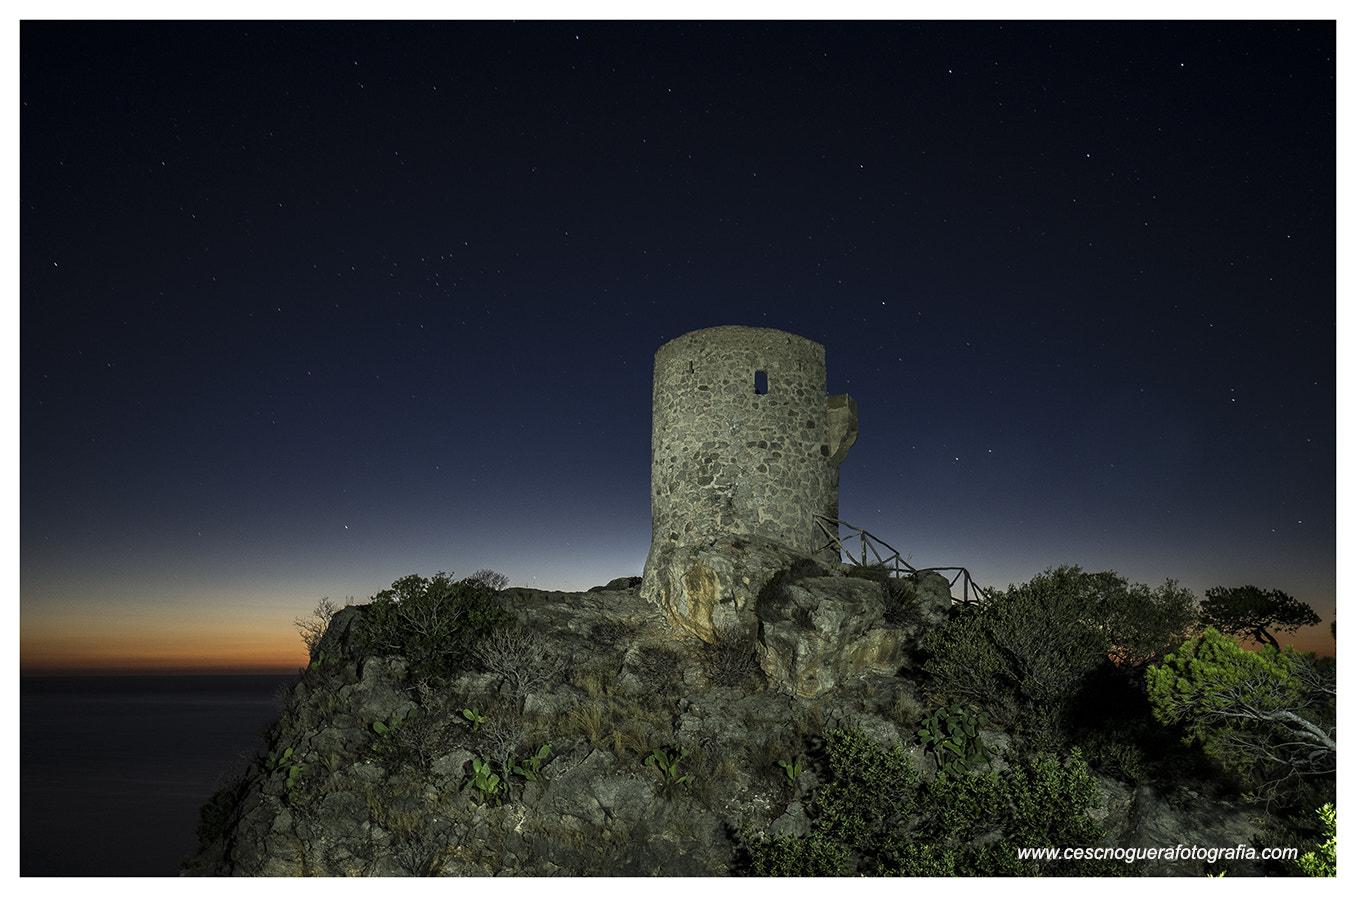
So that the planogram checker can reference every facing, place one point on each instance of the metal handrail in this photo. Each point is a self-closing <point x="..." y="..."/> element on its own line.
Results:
<point x="971" y="592"/>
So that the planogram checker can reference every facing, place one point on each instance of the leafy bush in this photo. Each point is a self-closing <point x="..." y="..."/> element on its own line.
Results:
<point x="214" y="817"/>
<point x="1321" y="862"/>
<point x="874" y="815"/>
<point x="488" y="579"/>
<point x="1040" y="802"/>
<point x="1029" y="647"/>
<point x="869" y="793"/>
<point x="434" y="623"/>
<point x="1141" y="625"/>
<point x="1028" y="652"/>
<point x="795" y="857"/>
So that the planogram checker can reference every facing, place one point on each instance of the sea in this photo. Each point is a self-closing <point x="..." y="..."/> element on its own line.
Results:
<point x="113" y="769"/>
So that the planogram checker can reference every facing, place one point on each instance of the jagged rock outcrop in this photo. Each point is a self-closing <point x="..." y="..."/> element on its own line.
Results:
<point x="825" y="628"/>
<point x="711" y="590"/>
<point x="812" y="628"/>
<point x="661" y="744"/>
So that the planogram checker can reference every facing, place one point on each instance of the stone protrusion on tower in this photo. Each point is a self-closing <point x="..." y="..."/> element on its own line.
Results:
<point x="745" y="442"/>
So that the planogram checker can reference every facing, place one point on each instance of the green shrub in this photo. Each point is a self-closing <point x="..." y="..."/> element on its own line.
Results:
<point x="796" y="857"/>
<point x="873" y="814"/>
<point x="1029" y="647"/>
<point x="215" y="815"/>
<point x="434" y="623"/>
<point x="1141" y="625"/>
<point x="1321" y="862"/>
<point x="869" y="793"/>
<point x="1028" y="652"/>
<point x="1116" y="753"/>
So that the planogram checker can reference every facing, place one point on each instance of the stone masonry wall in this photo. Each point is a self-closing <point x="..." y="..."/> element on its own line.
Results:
<point x="728" y="460"/>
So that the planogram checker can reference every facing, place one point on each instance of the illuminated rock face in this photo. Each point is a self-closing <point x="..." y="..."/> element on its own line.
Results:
<point x="744" y="443"/>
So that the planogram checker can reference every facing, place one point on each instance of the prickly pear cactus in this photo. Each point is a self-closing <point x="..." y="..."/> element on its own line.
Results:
<point x="952" y="735"/>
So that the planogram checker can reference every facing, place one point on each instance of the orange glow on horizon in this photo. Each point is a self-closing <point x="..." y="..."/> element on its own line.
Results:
<point x="125" y="649"/>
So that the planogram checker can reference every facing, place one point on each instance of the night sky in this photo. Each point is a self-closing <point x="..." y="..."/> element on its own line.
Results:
<point x="307" y="307"/>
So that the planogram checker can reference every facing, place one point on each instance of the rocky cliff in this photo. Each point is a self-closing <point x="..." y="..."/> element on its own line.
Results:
<point x="594" y="737"/>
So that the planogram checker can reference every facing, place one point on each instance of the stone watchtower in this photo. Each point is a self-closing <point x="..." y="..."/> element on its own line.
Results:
<point x="745" y="443"/>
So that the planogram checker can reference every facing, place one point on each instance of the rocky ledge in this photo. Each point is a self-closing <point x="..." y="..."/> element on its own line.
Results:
<point x="595" y="737"/>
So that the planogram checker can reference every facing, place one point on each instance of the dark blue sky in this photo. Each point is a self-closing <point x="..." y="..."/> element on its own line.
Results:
<point x="308" y="307"/>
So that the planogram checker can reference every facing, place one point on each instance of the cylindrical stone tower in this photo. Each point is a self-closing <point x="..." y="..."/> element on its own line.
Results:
<point x="743" y="440"/>
<point x="745" y="451"/>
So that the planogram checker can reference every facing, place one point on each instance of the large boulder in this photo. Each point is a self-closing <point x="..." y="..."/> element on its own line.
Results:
<point x="341" y="632"/>
<point x="709" y="590"/>
<point x="930" y="595"/>
<point x="816" y="632"/>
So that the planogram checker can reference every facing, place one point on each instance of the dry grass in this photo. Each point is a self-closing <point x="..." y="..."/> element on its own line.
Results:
<point x="732" y="660"/>
<point x="658" y="666"/>
<point x="332" y="761"/>
<point x="396" y="805"/>
<point x="596" y="682"/>
<point x="623" y="727"/>
<point x="711" y="774"/>
<point x="613" y="632"/>
<point x="906" y="712"/>
<point x="587" y="722"/>
<point x="686" y="825"/>
<point x="326" y="704"/>
<point x="628" y="736"/>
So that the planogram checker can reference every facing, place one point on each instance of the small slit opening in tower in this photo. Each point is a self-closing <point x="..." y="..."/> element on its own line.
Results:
<point x="760" y="383"/>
